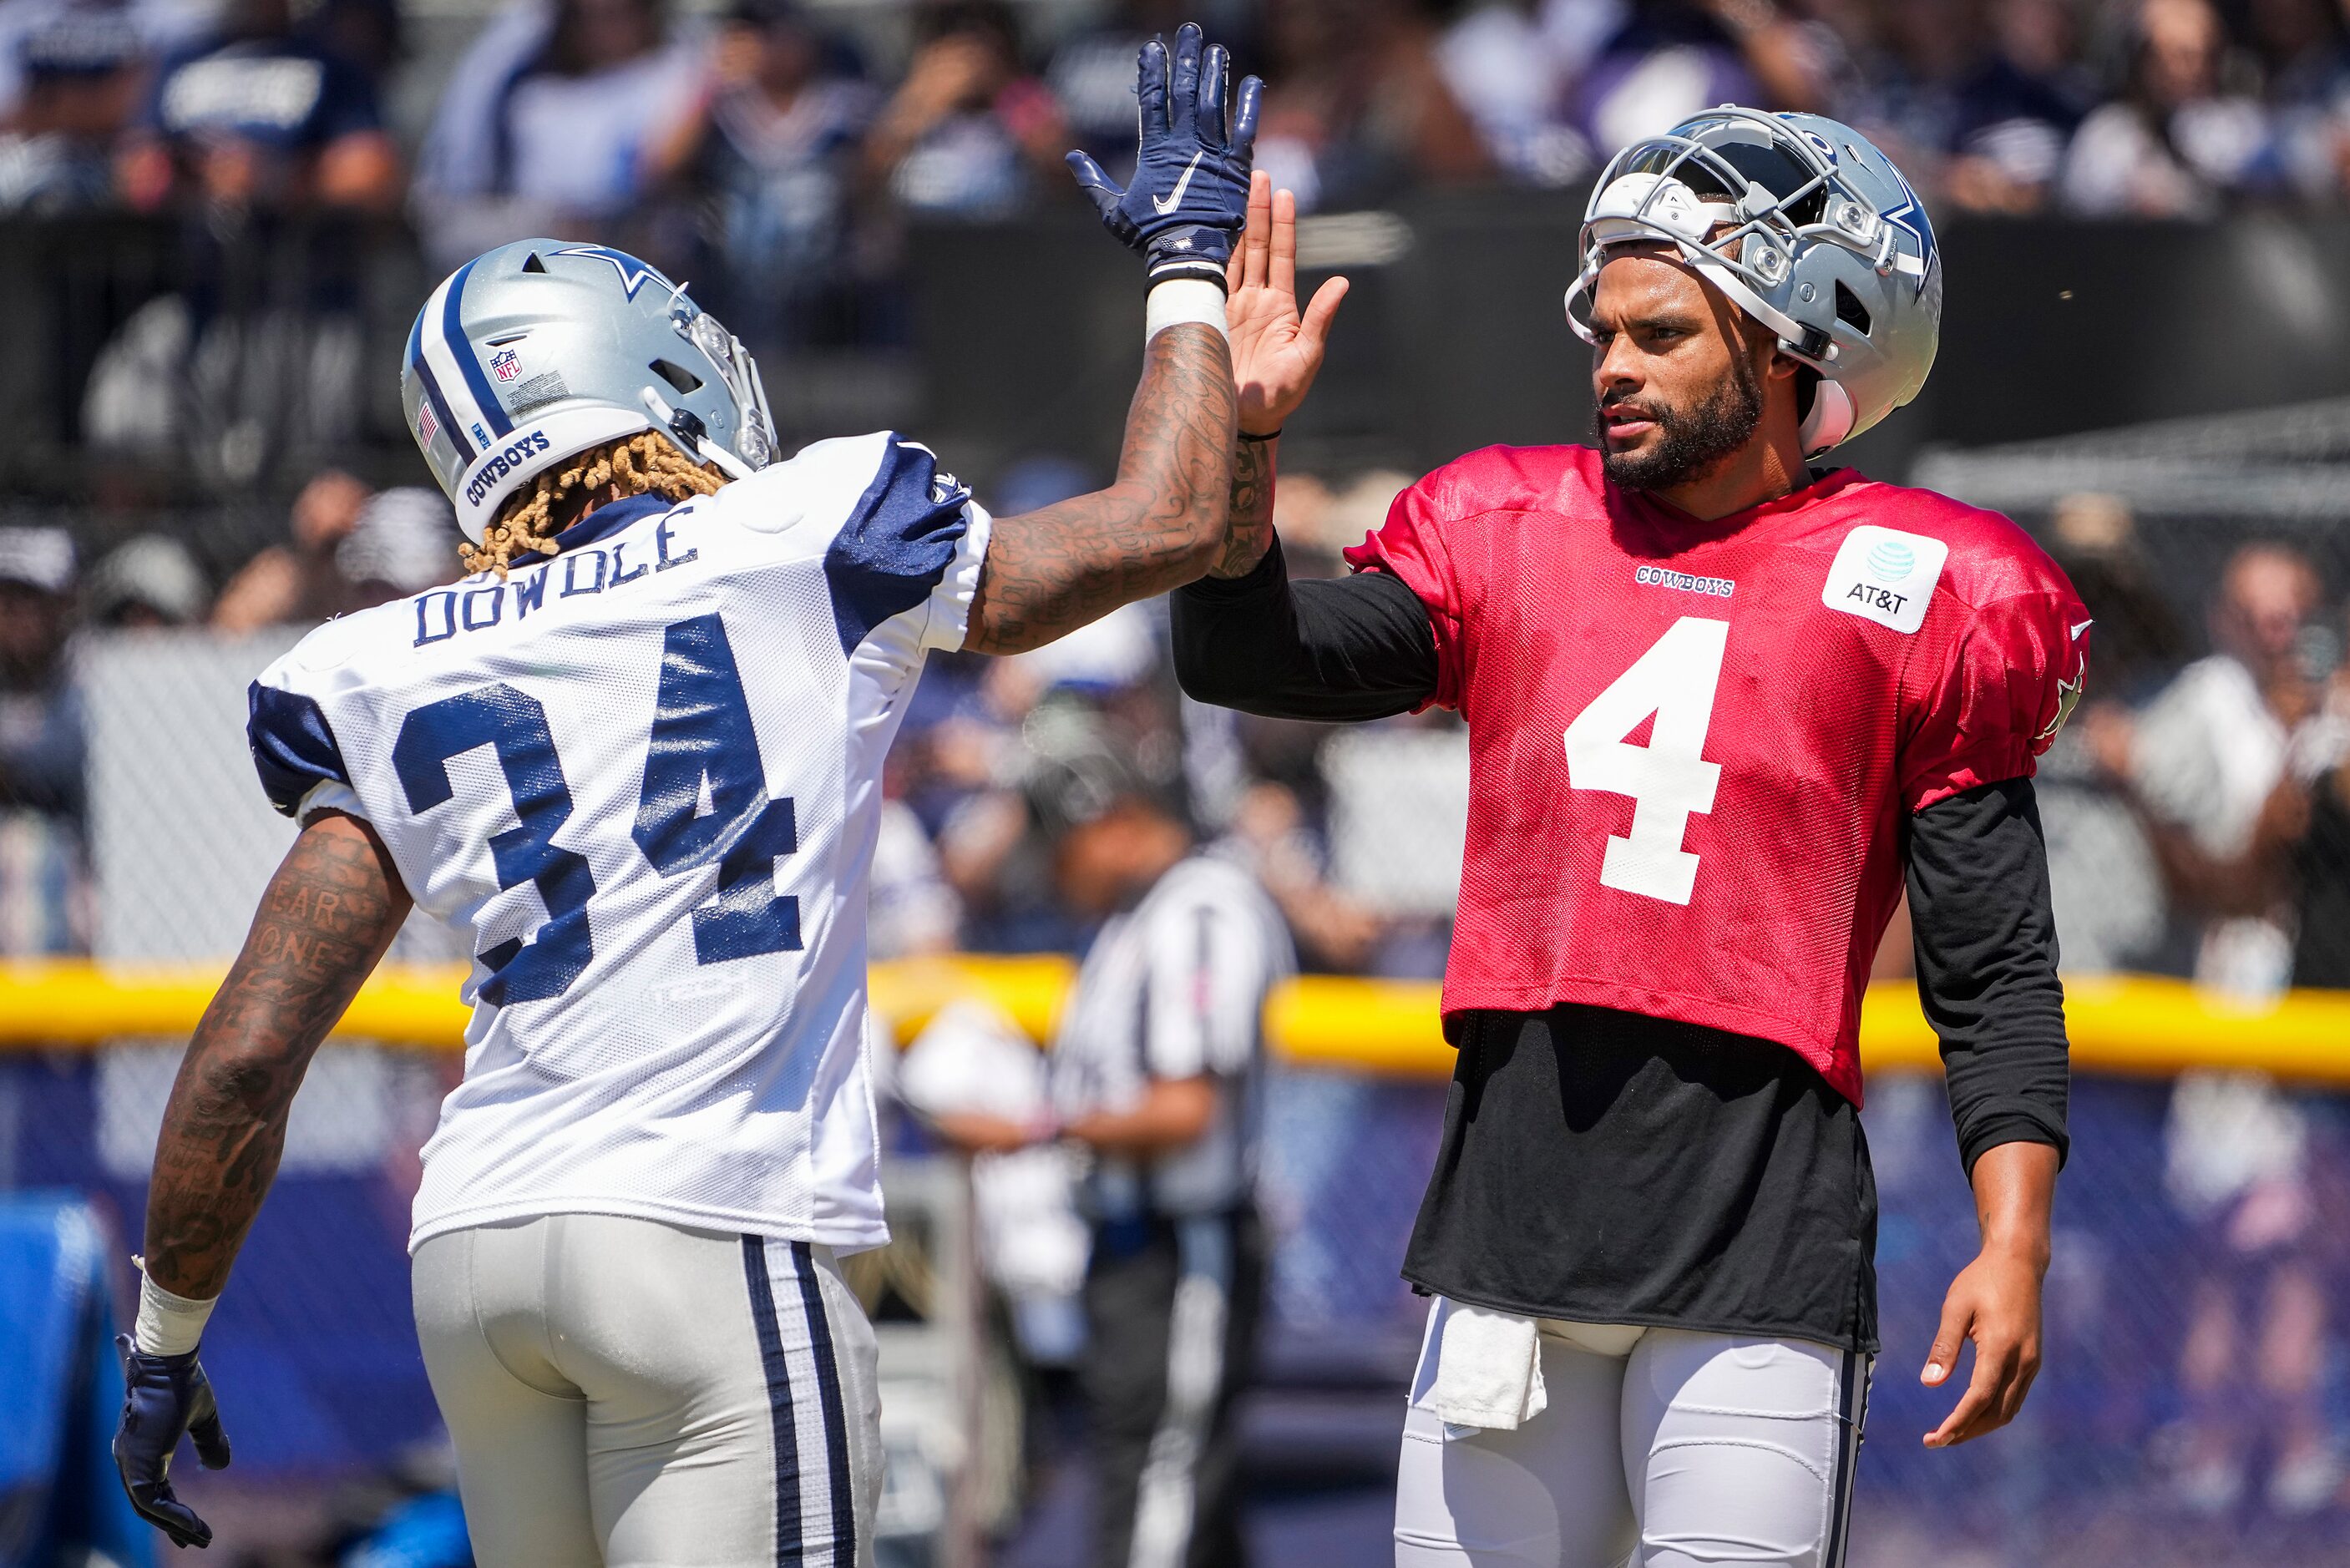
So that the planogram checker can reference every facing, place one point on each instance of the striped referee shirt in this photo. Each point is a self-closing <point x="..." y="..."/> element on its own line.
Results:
<point x="1175" y="989"/>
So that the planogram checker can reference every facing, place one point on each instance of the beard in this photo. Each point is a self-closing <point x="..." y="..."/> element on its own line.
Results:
<point x="1689" y="442"/>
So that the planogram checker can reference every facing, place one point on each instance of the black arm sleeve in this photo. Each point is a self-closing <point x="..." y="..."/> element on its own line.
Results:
<point x="1986" y="943"/>
<point x="1349" y="648"/>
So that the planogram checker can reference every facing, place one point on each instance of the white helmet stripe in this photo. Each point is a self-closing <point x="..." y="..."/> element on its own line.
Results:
<point x="445" y="416"/>
<point x="449" y="371"/>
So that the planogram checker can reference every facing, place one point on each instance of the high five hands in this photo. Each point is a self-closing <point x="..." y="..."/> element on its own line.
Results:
<point x="1276" y="350"/>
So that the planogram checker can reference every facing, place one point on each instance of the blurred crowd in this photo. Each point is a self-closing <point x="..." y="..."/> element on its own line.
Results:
<point x="774" y="153"/>
<point x="2197" y="814"/>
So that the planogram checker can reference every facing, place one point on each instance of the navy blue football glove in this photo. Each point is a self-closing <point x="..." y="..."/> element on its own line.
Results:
<point x="164" y="1396"/>
<point x="1189" y="200"/>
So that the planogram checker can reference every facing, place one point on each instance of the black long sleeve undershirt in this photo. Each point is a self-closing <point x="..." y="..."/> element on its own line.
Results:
<point x="1362" y="648"/>
<point x="1985" y="936"/>
<point x="1345" y="649"/>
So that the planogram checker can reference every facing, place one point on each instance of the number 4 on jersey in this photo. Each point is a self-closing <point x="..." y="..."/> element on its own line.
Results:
<point x="1668" y="779"/>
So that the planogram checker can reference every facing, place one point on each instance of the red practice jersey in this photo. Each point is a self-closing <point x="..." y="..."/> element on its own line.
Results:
<point x="1693" y="744"/>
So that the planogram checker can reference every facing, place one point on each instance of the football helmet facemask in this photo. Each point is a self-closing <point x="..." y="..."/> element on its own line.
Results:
<point x="1807" y="228"/>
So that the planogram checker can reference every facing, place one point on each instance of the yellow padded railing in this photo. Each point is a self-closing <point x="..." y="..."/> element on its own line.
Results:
<point x="2129" y="1023"/>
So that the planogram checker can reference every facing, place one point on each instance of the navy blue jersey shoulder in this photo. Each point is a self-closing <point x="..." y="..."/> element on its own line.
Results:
<point x="898" y="542"/>
<point x="294" y="751"/>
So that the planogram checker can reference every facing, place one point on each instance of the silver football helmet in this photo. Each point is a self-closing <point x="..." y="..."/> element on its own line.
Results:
<point x="1808" y="229"/>
<point x="543" y="349"/>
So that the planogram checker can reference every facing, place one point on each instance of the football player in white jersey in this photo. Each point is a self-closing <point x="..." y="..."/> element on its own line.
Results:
<point x="637" y="756"/>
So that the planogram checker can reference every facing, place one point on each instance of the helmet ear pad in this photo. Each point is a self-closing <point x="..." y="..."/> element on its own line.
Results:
<point x="1829" y="419"/>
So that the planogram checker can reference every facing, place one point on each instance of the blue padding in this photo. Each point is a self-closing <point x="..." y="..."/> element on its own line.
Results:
<point x="61" y="1390"/>
<point x="427" y="1531"/>
<point x="897" y="544"/>
<point x="293" y="749"/>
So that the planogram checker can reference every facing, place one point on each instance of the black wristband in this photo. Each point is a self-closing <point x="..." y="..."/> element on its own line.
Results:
<point x="1206" y="271"/>
<point x="1268" y="435"/>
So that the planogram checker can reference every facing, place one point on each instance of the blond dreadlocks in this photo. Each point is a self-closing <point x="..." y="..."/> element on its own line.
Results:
<point x="642" y="465"/>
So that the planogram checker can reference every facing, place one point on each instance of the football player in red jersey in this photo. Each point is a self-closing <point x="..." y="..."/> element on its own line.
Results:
<point x="1722" y="701"/>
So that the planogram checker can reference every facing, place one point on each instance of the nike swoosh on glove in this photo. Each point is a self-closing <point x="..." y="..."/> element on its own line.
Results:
<point x="1189" y="200"/>
<point x="164" y="1396"/>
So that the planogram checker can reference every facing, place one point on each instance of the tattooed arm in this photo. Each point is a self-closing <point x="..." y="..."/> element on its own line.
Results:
<point x="1158" y="526"/>
<point x="1248" y="533"/>
<point x="329" y="914"/>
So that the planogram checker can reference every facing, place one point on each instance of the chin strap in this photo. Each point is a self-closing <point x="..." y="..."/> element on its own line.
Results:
<point x="692" y="436"/>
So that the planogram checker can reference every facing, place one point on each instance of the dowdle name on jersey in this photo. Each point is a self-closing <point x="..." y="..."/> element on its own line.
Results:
<point x="580" y="571"/>
<point x="643" y="777"/>
<point x="1692" y="807"/>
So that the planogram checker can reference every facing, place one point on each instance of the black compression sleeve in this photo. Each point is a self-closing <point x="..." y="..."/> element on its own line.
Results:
<point x="1349" y="648"/>
<point x="1986" y="944"/>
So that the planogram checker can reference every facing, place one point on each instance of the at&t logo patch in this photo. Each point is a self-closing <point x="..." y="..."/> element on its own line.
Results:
<point x="1886" y="576"/>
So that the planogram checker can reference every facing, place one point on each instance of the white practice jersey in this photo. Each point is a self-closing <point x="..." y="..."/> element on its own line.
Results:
<point x="644" y="777"/>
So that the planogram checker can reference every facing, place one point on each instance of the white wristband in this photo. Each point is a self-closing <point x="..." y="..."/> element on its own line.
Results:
<point x="168" y="1324"/>
<point x="1182" y="300"/>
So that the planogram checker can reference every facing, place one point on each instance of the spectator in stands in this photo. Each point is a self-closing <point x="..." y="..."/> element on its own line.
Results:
<point x="769" y="144"/>
<point x="909" y="908"/>
<point x="549" y="124"/>
<point x="258" y="117"/>
<point x="969" y="133"/>
<point x="149" y="584"/>
<point x="1061" y="724"/>
<point x="2016" y="111"/>
<point x="2110" y="904"/>
<point x="1513" y="64"/>
<point x="79" y="80"/>
<point x="1905" y="94"/>
<point x="2178" y="142"/>
<point x="2305" y="67"/>
<point x="364" y="34"/>
<point x="2321" y="857"/>
<point x="1674" y="57"/>
<point x="349" y="548"/>
<point x="1356" y="107"/>
<point x="1270" y="836"/>
<point x="44" y="868"/>
<point x="2208" y="767"/>
<point x="2206" y="760"/>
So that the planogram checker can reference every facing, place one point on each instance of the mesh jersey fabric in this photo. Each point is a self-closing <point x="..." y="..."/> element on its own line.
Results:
<point x="1693" y="744"/>
<point x="644" y="777"/>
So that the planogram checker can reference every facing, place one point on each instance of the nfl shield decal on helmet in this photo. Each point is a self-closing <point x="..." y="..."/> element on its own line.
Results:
<point x="505" y="365"/>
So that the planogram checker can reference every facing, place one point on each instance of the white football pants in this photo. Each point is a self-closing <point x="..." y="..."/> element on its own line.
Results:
<point x="630" y="1394"/>
<point x="1659" y="1448"/>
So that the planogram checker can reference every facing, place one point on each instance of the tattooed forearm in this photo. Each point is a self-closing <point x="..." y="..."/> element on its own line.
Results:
<point x="1249" y="535"/>
<point x="1158" y="526"/>
<point x="329" y="914"/>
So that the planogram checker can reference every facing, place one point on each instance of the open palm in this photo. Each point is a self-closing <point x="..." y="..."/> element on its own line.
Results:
<point x="1276" y="351"/>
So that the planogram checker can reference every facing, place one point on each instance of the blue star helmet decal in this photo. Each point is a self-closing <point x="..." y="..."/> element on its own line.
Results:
<point x="1909" y="217"/>
<point x="634" y="274"/>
